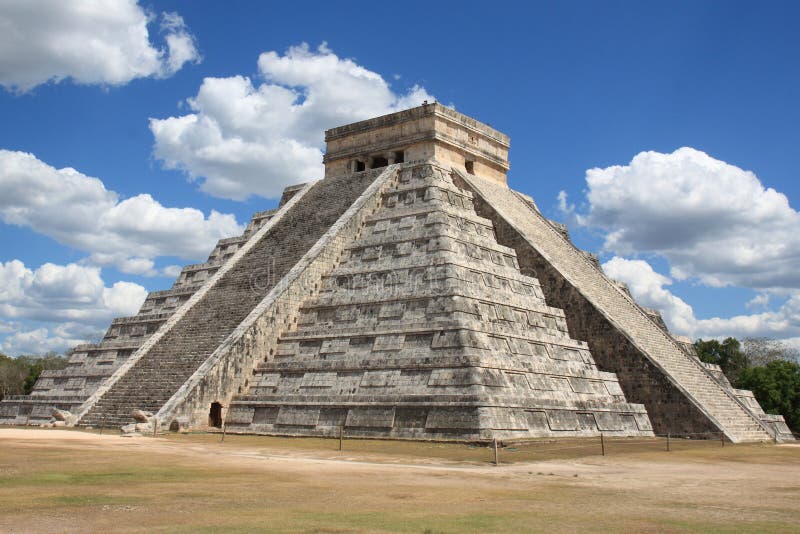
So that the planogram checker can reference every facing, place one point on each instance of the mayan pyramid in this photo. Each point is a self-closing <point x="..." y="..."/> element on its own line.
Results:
<point x="411" y="294"/>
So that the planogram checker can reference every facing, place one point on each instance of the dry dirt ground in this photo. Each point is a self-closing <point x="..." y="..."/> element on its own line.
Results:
<point x="65" y="481"/>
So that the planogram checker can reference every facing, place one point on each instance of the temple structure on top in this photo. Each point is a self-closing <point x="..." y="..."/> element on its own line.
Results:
<point x="430" y="132"/>
<point x="409" y="294"/>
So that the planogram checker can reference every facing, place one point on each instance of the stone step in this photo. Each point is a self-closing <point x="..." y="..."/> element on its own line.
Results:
<point x="606" y="297"/>
<point x="163" y="369"/>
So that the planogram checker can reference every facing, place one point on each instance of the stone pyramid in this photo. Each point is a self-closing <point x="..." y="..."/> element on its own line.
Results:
<point x="408" y="294"/>
<point x="426" y="328"/>
<point x="91" y="364"/>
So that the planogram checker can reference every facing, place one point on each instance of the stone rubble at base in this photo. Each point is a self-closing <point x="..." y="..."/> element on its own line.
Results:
<point x="409" y="294"/>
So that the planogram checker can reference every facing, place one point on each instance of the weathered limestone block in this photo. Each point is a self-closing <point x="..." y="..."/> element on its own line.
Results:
<point x="453" y="419"/>
<point x="179" y="424"/>
<point x="298" y="416"/>
<point x="141" y="416"/>
<point x="371" y="417"/>
<point x="61" y="415"/>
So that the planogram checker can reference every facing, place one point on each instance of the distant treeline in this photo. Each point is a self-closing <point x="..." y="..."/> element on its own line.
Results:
<point x="767" y="367"/>
<point x="18" y="375"/>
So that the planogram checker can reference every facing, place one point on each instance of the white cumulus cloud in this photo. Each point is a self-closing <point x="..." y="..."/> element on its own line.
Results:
<point x="64" y="293"/>
<point x="246" y="137"/>
<point x="78" y="211"/>
<point x="43" y="340"/>
<point x="711" y="220"/>
<point x="55" y="307"/>
<point x="648" y="289"/>
<point x="8" y="327"/>
<point x="104" y="42"/>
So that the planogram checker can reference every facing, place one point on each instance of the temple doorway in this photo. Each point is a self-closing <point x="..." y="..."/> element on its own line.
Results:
<point x="215" y="415"/>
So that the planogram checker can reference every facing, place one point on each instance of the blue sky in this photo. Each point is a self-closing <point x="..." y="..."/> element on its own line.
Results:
<point x="181" y="119"/>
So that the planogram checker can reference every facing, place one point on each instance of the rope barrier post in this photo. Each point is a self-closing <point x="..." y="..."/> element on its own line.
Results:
<point x="341" y="436"/>
<point x="224" y="429"/>
<point x="668" y="436"/>
<point x="28" y="420"/>
<point x="155" y="426"/>
<point x="722" y="438"/>
<point x="602" y="444"/>
<point x="496" y="462"/>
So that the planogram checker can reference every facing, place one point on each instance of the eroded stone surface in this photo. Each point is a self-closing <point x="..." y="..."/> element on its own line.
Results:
<point x="426" y="328"/>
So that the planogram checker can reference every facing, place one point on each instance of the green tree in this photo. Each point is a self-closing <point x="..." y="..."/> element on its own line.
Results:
<point x="776" y="385"/>
<point x="760" y="351"/>
<point x="34" y="371"/>
<point x="18" y="375"/>
<point x="727" y="354"/>
<point x="12" y="376"/>
<point x="37" y="364"/>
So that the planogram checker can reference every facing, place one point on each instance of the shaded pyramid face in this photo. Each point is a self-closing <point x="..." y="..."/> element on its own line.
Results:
<point x="91" y="364"/>
<point x="426" y="328"/>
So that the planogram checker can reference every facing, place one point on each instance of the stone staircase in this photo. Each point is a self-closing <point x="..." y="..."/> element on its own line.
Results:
<point x="686" y="373"/>
<point x="90" y="365"/>
<point x="425" y="328"/>
<point x="165" y="366"/>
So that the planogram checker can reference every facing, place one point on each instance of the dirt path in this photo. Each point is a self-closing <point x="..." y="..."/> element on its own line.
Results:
<point x="610" y="471"/>
<point x="754" y="487"/>
<point x="616" y="470"/>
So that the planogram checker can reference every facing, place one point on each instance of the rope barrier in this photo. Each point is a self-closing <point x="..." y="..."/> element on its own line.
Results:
<point x="609" y="444"/>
